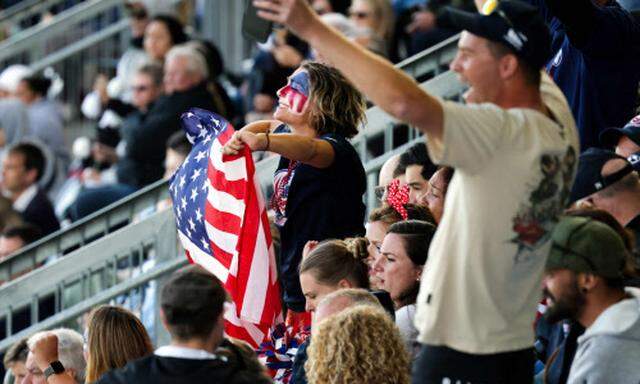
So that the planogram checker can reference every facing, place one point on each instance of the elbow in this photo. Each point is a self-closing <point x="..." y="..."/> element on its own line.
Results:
<point x="400" y="108"/>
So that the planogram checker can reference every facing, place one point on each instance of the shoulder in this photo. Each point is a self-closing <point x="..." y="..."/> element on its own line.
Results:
<point x="132" y="372"/>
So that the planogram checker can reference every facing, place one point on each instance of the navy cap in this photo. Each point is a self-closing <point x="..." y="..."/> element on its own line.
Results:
<point x="589" y="179"/>
<point x="610" y="137"/>
<point x="513" y="23"/>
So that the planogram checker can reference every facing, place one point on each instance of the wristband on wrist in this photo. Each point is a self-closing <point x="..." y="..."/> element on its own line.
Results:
<point x="55" y="368"/>
<point x="268" y="141"/>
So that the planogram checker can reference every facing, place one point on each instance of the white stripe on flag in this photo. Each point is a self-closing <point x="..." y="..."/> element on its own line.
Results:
<point x="207" y="261"/>
<point x="258" y="281"/>
<point x="233" y="170"/>
<point x="224" y="240"/>
<point x="225" y="202"/>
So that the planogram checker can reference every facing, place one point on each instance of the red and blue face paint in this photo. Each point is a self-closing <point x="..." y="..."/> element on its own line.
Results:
<point x="296" y="93"/>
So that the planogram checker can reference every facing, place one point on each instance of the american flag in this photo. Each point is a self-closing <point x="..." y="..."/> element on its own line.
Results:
<point x="222" y="224"/>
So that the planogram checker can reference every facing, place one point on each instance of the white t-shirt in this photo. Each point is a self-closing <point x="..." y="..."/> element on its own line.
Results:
<point x="514" y="172"/>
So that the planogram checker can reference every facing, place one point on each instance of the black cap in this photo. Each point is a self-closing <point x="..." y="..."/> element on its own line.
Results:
<point x="513" y="23"/>
<point x="589" y="179"/>
<point x="610" y="137"/>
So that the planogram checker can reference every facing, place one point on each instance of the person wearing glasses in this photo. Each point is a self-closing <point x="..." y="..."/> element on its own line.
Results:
<point x="510" y="147"/>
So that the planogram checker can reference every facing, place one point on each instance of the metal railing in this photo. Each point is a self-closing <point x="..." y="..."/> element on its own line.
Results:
<point x="84" y="231"/>
<point x="22" y="14"/>
<point x="116" y="268"/>
<point x="380" y="127"/>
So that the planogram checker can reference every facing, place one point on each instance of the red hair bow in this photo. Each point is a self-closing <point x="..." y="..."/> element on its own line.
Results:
<point x="397" y="197"/>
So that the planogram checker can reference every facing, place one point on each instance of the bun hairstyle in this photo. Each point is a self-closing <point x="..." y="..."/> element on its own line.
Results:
<point x="334" y="260"/>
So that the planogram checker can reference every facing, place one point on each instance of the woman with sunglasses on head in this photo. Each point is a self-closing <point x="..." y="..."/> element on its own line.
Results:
<point x="320" y="181"/>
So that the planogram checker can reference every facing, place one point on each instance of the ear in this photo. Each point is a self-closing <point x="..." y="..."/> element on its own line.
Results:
<point x="32" y="176"/>
<point x="344" y="283"/>
<point x="508" y="66"/>
<point x="163" y="319"/>
<point x="588" y="281"/>
<point x="419" y="272"/>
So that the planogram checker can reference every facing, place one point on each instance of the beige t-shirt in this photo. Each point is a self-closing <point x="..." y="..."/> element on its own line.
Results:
<point x="514" y="172"/>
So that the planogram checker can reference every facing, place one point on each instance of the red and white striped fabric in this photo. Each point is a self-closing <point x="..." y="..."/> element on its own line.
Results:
<point x="223" y="225"/>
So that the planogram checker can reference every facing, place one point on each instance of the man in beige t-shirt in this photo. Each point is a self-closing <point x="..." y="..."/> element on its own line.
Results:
<point x="515" y="154"/>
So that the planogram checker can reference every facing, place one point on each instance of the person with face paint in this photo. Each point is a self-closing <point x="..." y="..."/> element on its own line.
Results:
<point x="320" y="180"/>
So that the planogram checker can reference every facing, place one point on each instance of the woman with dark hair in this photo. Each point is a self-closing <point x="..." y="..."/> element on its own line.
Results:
<point x="404" y="253"/>
<point x="162" y="33"/>
<point x="45" y="116"/>
<point x="320" y="180"/>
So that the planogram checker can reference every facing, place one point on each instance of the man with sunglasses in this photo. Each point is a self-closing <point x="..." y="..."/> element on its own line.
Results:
<point x="514" y="152"/>
<point x="584" y="282"/>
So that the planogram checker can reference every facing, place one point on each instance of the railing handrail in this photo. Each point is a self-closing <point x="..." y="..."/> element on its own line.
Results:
<point x="82" y="12"/>
<point x="24" y="7"/>
<point x="54" y="240"/>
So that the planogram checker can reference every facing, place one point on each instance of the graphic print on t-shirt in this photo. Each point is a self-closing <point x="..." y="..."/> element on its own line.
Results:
<point x="534" y="222"/>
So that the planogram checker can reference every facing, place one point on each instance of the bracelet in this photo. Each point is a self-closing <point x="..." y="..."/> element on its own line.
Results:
<point x="268" y="141"/>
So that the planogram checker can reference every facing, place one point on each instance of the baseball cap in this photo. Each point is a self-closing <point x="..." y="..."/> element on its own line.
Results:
<point x="582" y="244"/>
<point x="589" y="179"/>
<point x="610" y="136"/>
<point x="513" y="23"/>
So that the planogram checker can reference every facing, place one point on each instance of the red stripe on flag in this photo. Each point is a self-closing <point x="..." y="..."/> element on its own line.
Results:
<point x="236" y="188"/>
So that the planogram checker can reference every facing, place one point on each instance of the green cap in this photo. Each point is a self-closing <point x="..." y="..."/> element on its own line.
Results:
<point x="585" y="245"/>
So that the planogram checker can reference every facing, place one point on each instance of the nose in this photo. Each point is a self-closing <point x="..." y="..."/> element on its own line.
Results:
<point x="309" y="307"/>
<point x="283" y="91"/>
<point x="378" y="265"/>
<point x="455" y="64"/>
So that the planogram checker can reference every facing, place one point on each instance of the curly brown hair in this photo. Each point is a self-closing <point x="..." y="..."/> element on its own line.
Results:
<point x="379" y="356"/>
<point x="338" y="107"/>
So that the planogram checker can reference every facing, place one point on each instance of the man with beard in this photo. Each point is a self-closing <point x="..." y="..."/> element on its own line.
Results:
<point x="584" y="282"/>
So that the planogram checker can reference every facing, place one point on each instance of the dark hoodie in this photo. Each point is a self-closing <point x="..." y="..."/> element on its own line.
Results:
<point x="238" y="366"/>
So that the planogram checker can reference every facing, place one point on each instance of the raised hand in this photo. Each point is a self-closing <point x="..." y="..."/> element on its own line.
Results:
<point x="294" y="14"/>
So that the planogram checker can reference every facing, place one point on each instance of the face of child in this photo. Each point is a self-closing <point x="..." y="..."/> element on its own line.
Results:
<point x="294" y="96"/>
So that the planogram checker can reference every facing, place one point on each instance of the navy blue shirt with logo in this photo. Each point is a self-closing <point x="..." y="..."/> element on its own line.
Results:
<point x="597" y="65"/>
<point x="321" y="203"/>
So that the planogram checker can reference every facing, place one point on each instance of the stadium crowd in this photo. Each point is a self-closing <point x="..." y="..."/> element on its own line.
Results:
<point x="505" y="247"/>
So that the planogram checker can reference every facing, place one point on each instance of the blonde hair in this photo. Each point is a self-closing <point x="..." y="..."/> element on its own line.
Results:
<point x="337" y="106"/>
<point x="335" y="260"/>
<point x="379" y="356"/>
<point x="384" y="16"/>
<point x="115" y="337"/>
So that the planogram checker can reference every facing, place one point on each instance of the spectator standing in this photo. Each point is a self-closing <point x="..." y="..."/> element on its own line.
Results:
<point x="192" y="305"/>
<point x="380" y="219"/>
<point x="21" y="169"/>
<point x="595" y="48"/>
<point x="418" y="169"/>
<point x="378" y="357"/>
<point x="479" y="294"/>
<point x="584" y="280"/>
<point x="331" y="266"/>
<point x="311" y="199"/>
<point x="400" y="269"/>
<point x="435" y="196"/>
<point x="607" y="181"/>
<point x="625" y="141"/>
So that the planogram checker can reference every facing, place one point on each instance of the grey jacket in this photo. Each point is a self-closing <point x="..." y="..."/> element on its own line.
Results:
<point x="609" y="350"/>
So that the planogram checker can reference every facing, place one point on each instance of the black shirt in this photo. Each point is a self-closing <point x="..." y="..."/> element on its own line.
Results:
<point x="322" y="204"/>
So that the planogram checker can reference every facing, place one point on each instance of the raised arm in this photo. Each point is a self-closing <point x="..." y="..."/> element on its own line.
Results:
<point x="388" y="87"/>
